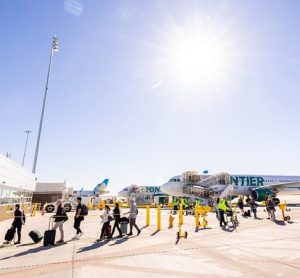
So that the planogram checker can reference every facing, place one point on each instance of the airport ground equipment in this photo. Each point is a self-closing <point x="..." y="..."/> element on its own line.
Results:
<point x="34" y="209"/>
<point x="202" y="212"/>
<point x="283" y="208"/>
<point x="147" y="216"/>
<point x="171" y="220"/>
<point x="232" y="218"/>
<point x="180" y="233"/>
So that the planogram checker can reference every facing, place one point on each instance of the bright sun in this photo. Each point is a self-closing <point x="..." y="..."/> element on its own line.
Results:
<point x="196" y="60"/>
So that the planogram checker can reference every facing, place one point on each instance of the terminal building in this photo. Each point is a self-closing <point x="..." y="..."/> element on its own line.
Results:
<point x="17" y="184"/>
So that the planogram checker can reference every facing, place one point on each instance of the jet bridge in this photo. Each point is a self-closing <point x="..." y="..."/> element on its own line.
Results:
<point x="215" y="183"/>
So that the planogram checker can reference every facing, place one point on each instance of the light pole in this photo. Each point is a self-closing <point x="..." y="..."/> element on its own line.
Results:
<point x="28" y="132"/>
<point x="54" y="48"/>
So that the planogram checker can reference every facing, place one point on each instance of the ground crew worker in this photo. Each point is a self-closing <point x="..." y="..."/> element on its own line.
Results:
<point x="271" y="207"/>
<point x="241" y="204"/>
<point x="222" y="207"/>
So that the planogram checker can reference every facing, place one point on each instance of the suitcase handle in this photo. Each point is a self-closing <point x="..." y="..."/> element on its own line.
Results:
<point x="50" y="222"/>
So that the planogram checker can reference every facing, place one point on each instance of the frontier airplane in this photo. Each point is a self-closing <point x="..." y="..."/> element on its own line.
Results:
<point x="223" y="184"/>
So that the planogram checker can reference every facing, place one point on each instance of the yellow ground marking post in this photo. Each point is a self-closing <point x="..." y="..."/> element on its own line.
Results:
<point x="147" y="216"/>
<point x="158" y="218"/>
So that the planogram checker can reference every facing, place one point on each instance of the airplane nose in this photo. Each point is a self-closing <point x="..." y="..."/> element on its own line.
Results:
<point x="173" y="189"/>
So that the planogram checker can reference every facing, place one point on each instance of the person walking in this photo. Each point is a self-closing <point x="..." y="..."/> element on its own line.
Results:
<point x="106" y="218"/>
<point x="78" y="218"/>
<point x="132" y="218"/>
<point x="117" y="216"/>
<point x="253" y="206"/>
<point x="222" y="207"/>
<point x="19" y="220"/>
<point x="59" y="218"/>
<point x="241" y="204"/>
<point x="271" y="208"/>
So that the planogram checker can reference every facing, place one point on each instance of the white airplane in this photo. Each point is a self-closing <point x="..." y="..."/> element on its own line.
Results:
<point x="144" y="194"/>
<point x="99" y="189"/>
<point x="223" y="184"/>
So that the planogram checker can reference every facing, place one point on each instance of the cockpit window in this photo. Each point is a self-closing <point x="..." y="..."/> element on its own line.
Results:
<point x="174" y="180"/>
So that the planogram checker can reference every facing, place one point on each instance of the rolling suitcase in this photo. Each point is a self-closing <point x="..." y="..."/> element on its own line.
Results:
<point x="36" y="236"/>
<point x="49" y="236"/>
<point x="123" y="227"/>
<point x="10" y="234"/>
<point x="108" y="231"/>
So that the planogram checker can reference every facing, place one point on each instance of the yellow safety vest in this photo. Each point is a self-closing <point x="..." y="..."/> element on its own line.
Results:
<point x="222" y="205"/>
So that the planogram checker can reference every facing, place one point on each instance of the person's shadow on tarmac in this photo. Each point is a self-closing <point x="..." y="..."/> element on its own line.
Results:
<point x="94" y="245"/>
<point x="30" y="251"/>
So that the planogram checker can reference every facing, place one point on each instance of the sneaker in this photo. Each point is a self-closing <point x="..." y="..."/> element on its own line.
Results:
<point x="60" y="241"/>
<point x="18" y="242"/>
<point x="99" y="239"/>
<point x="120" y="236"/>
<point x="139" y="232"/>
<point x="130" y="234"/>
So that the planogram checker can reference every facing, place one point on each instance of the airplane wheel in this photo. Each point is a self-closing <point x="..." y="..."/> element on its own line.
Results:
<point x="177" y="235"/>
<point x="288" y="218"/>
<point x="185" y="234"/>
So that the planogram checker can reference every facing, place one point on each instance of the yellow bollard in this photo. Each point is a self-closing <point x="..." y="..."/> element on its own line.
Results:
<point x="158" y="218"/>
<point x="180" y="215"/>
<point x="197" y="216"/>
<point x="147" y="216"/>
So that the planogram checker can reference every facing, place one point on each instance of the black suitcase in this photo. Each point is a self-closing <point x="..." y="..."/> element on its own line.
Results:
<point x="10" y="234"/>
<point x="49" y="236"/>
<point x="36" y="236"/>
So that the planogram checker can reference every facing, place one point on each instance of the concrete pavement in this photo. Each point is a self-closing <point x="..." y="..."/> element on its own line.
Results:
<point x="257" y="248"/>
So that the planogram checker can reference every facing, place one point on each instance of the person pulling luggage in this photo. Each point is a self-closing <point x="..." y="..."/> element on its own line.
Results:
<point x="59" y="218"/>
<point x="19" y="220"/>
<point x="106" y="218"/>
<point x="132" y="218"/>
<point x="117" y="216"/>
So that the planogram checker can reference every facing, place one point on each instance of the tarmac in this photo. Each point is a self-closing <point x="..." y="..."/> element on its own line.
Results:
<point x="256" y="248"/>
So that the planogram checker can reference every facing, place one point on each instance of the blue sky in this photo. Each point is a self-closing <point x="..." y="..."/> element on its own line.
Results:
<point x="124" y="105"/>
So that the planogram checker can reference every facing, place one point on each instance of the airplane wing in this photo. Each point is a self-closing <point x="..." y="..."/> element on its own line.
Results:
<point x="281" y="186"/>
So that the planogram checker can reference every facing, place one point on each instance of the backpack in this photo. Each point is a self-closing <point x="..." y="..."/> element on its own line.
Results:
<point x="84" y="210"/>
<point x="137" y="212"/>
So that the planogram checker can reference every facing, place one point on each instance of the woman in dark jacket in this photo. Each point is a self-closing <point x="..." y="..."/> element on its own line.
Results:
<point x="59" y="218"/>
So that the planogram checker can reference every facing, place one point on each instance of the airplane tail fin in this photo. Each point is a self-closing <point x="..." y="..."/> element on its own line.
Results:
<point x="102" y="185"/>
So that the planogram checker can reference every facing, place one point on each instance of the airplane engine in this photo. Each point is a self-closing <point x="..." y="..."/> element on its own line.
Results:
<point x="260" y="194"/>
